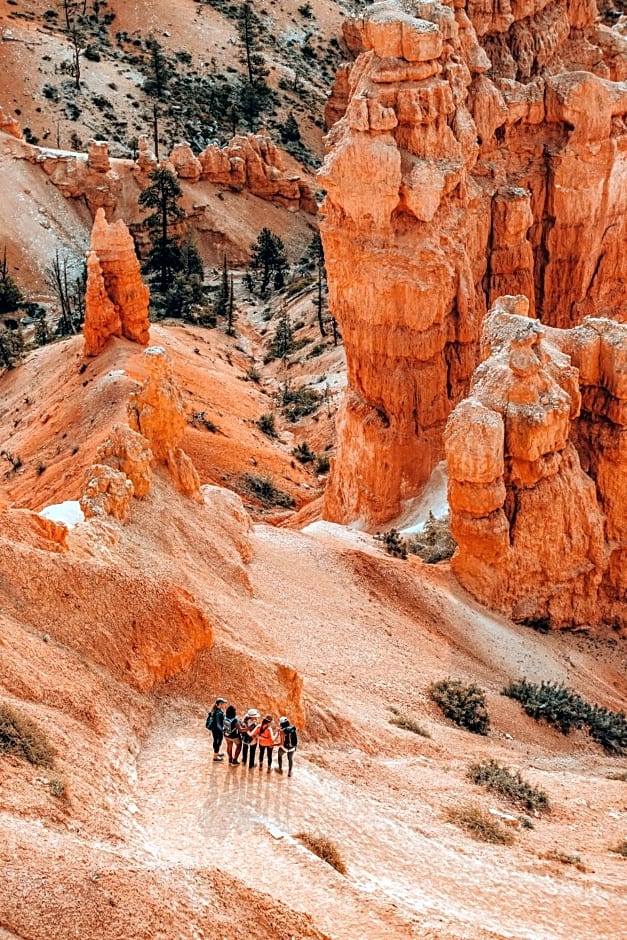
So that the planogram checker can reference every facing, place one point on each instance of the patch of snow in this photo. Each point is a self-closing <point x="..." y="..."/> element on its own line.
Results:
<point x="432" y="499"/>
<point x="69" y="513"/>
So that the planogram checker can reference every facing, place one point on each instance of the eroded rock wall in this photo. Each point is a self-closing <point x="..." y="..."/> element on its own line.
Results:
<point x="473" y="158"/>
<point x="536" y="458"/>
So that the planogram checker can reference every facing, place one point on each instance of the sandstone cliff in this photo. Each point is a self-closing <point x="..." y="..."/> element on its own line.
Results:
<point x="536" y="459"/>
<point x="116" y="301"/>
<point x="474" y="157"/>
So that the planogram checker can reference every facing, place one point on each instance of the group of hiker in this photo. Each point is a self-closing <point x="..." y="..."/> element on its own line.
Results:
<point x="245" y="736"/>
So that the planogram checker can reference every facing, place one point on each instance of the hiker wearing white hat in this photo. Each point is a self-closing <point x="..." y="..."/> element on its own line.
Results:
<point x="249" y="733"/>
<point x="287" y="744"/>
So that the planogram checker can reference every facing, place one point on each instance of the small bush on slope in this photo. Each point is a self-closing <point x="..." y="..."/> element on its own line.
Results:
<point x="463" y="704"/>
<point x="479" y="824"/>
<point x="323" y="848"/>
<point x="512" y="786"/>
<point x="23" y="738"/>
<point x="565" y="709"/>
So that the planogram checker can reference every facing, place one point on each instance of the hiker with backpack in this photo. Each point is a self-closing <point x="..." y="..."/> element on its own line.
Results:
<point x="249" y="730"/>
<point x="232" y="734"/>
<point x="268" y="739"/>
<point x="287" y="744"/>
<point x="215" y="724"/>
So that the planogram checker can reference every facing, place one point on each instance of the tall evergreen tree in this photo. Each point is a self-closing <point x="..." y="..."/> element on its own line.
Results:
<point x="159" y="70"/>
<point x="269" y="260"/>
<point x="254" y="94"/>
<point x="222" y="300"/>
<point x="231" y="315"/>
<point x="11" y="297"/>
<point x="162" y="195"/>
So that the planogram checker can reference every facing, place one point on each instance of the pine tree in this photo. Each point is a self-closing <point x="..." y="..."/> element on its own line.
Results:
<point x="231" y="316"/>
<point x="165" y="256"/>
<point x="269" y="260"/>
<point x="282" y="342"/>
<point x="11" y="297"/>
<point x="222" y="300"/>
<point x="254" y="95"/>
<point x="316" y="251"/>
<point x="157" y="82"/>
<point x="42" y="330"/>
<point x="11" y="347"/>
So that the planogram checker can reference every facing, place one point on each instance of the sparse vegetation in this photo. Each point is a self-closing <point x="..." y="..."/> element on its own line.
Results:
<point x="565" y="709"/>
<point x="435" y="543"/>
<point x="23" y="738"/>
<point x="479" y="824"/>
<point x="266" y="424"/>
<point x="268" y="263"/>
<point x="408" y="724"/>
<point x="564" y="858"/>
<point x="199" y="419"/>
<point x="299" y="402"/>
<point x="509" y="784"/>
<point x="58" y="787"/>
<point x="393" y="543"/>
<point x="620" y="848"/>
<point x="303" y="453"/>
<point x="263" y="489"/>
<point x="463" y="704"/>
<point x="324" y="849"/>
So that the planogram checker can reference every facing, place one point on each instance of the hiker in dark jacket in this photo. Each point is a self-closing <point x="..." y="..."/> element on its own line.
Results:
<point x="232" y="733"/>
<point x="215" y="724"/>
<point x="287" y="744"/>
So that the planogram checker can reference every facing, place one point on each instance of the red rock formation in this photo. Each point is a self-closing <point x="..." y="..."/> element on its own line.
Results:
<point x="106" y="492"/>
<point x="185" y="164"/>
<point x="78" y="175"/>
<point x="459" y="170"/>
<point x="156" y="411"/>
<point x="9" y="125"/>
<point x="102" y="318"/>
<point x="540" y="536"/>
<point x="115" y="250"/>
<point x="255" y="163"/>
<point x="130" y="453"/>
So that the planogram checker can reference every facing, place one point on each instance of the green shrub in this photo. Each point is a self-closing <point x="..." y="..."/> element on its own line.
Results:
<point x="409" y="724"/>
<point x="511" y="785"/>
<point x="266" y="424"/>
<point x="299" y="402"/>
<point x="559" y="706"/>
<point x="23" y="738"/>
<point x="322" y="464"/>
<point x="323" y="848"/>
<point x="393" y="543"/>
<point x="479" y="823"/>
<point x="200" y="420"/>
<point x="263" y="489"/>
<point x="435" y="543"/>
<point x="463" y="704"/>
<point x="303" y="453"/>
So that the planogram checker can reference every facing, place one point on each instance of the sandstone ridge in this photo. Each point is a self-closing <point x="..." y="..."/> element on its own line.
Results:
<point x="536" y="459"/>
<point x="474" y="147"/>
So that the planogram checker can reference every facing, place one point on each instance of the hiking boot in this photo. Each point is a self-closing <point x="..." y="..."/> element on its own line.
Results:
<point x="218" y="757"/>
<point x="235" y="762"/>
<point x="289" y="773"/>
<point x="278" y="770"/>
<point x="269" y="770"/>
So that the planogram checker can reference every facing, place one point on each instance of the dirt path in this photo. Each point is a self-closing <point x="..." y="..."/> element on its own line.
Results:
<point x="406" y="874"/>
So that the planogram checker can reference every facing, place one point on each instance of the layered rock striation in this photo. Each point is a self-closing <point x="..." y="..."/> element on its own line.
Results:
<point x="536" y="460"/>
<point x="116" y="299"/>
<point x="480" y="151"/>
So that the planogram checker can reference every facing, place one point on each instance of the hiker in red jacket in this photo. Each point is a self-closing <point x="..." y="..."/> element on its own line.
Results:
<point x="268" y="738"/>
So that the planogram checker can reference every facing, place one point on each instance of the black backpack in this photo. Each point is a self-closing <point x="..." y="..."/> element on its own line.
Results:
<point x="209" y="721"/>
<point x="290" y="737"/>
